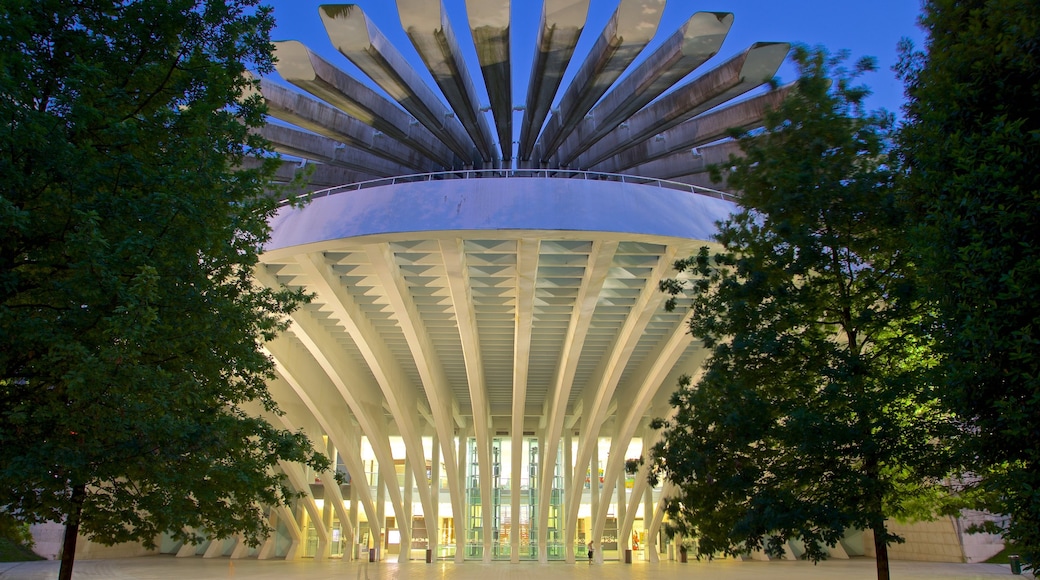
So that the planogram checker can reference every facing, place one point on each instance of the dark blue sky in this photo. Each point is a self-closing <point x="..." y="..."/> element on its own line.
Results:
<point x="865" y="28"/>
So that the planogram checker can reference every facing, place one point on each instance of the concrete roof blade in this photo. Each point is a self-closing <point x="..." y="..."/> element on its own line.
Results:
<point x="358" y="39"/>
<point x="302" y="67"/>
<point x="427" y="25"/>
<point x="561" y="24"/>
<point x="750" y="69"/>
<point x="627" y="32"/>
<point x="289" y="141"/>
<point x="489" y="25"/>
<point x="323" y="119"/>
<point x="696" y="41"/>
<point x="689" y="161"/>
<point x="290" y="178"/>
<point x="697" y="131"/>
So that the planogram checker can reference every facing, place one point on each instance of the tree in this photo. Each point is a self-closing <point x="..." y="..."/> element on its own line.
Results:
<point x="131" y="330"/>
<point x="812" y="416"/>
<point x="971" y="145"/>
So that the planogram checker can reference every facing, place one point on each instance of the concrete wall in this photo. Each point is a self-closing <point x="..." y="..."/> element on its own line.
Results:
<point x="943" y="540"/>
<point x="48" y="539"/>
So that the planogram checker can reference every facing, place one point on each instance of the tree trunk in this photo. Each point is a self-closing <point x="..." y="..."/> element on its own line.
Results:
<point x="68" y="547"/>
<point x="881" y="551"/>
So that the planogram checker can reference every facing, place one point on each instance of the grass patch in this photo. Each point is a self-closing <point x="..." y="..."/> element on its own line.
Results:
<point x="1001" y="557"/>
<point x="14" y="552"/>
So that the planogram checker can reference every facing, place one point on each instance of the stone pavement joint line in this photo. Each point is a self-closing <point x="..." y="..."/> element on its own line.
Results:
<point x="170" y="568"/>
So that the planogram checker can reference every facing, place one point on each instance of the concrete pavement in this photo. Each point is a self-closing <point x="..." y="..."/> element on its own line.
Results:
<point x="170" y="568"/>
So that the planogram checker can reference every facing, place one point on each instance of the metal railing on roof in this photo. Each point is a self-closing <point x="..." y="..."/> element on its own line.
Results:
<point x="522" y="173"/>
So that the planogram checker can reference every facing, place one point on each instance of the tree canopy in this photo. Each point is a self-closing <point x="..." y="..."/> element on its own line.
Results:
<point x="813" y="415"/>
<point x="131" y="329"/>
<point x="971" y="146"/>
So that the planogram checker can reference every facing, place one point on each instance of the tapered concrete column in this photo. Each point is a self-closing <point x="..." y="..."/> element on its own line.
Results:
<point x="568" y="481"/>
<point x="377" y="538"/>
<point x="188" y="550"/>
<point x="653" y="554"/>
<point x="624" y="542"/>
<point x="404" y="522"/>
<point x="355" y="522"/>
<point x="433" y="519"/>
<point x="462" y="518"/>
<point x="241" y="549"/>
<point x="266" y="550"/>
<point x="594" y="489"/>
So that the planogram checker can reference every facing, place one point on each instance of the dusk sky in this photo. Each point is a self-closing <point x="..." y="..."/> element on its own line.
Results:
<point x="865" y="28"/>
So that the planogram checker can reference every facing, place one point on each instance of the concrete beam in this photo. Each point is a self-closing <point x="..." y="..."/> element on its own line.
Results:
<point x="627" y="32"/>
<point x="489" y="25"/>
<point x="427" y="25"/>
<point x="600" y="261"/>
<point x="560" y="26"/>
<point x="321" y="175"/>
<point x="698" y="131"/>
<point x="704" y="180"/>
<point x="317" y="117"/>
<point x="290" y="141"/>
<point x="738" y="75"/>
<point x="358" y="39"/>
<point x="300" y="66"/>
<point x="697" y="40"/>
<point x="688" y="161"/>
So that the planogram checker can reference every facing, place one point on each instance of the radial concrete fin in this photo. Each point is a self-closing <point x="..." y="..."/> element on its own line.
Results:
<point x="627" y="32"/>
<point x="688" y="161"/>
<point x="697" y="40"/>
<point x="427" y="25"/>
<point x="323" y="119"/>
<point x="489" y="25"/>
<point x="302" y="67"/>
<point x="750" y="69"/>
<point x="363" y="44"/>
<point x="700" y="130"/>
<point x="308" y="146"/>
<point x="318" y="175"/>
<point x="561" y="24"/>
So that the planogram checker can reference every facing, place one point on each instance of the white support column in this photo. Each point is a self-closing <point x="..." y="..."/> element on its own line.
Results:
<point x="655" y="525"/>
<point x="624" y="542"/>
<point x="188" y="550"/>
<point x="377" y="536"/>
<point x="390" y="378"/>
<point x="404" y="523"/>
<point x="354" y="522"/>
<point x="215" y="549"/>
<point x="462" y="517"/>
<point x="303" y="376"/>
<point x="593" y="537"/>
<point x="568" y="482"/>
<point x="601" y="258"/>
<point x="653" y="553"/>
<point x="433" y="519"/>
<point x="526" y="278"/>
<point x="266" y="550"/>
<point x="241" y="549"/>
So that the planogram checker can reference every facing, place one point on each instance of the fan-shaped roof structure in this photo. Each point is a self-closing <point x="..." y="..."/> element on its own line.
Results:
<point x="486" y="327"/>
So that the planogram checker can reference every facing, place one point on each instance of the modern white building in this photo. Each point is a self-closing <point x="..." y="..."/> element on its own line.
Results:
<point x="487" y="341"/>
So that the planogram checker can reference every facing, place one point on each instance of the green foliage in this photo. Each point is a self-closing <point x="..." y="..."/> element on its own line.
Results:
<point x="972" y="148"/>
<point x="813" y="415"/>
<point x="130" y="325"/>
<point x="15" y="532"/>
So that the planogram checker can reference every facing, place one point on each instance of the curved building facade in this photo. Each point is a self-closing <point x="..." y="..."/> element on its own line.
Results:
<point x="499" y="344"/>
<point x="487" y="341"/>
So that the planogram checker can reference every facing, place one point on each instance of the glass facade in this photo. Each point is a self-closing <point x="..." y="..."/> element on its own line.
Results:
<point x="513" y="532"/>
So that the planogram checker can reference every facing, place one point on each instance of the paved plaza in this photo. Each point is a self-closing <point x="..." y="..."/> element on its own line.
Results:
<point x="171" y="568"/>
